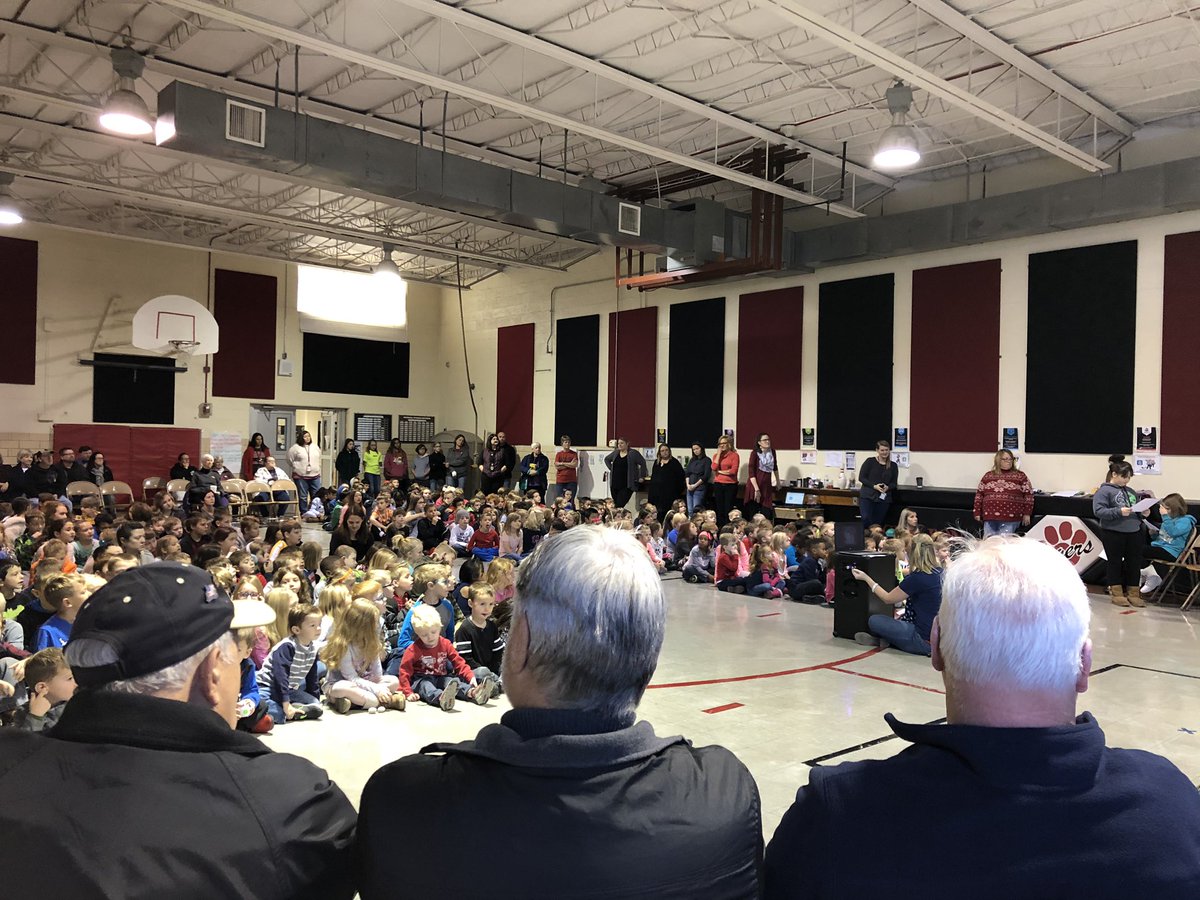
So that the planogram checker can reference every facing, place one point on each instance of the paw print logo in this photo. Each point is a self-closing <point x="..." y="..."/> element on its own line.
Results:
<point x="1068" y="540"/>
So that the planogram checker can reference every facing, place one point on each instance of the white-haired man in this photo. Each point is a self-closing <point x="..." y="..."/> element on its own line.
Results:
<point x="567" y="794"/>
<point x="1016" y="796"/>
<point x="144" y="789"/>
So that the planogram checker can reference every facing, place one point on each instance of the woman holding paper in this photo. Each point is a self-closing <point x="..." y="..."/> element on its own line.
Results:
<point x="1121" y="532"/>
<point x="878" y="476"/>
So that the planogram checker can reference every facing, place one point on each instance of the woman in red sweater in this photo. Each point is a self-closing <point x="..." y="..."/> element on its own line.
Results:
<point x="1004" y="498"/>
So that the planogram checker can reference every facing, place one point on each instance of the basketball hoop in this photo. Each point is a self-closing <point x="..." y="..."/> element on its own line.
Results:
<point x="184" y="347"/>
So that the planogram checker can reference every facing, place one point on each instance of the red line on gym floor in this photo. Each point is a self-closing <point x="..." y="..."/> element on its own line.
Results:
<point x="1129" y="612"/>
<point x="725" y="708"/>
<point x="828" y="665"/>
<point x="768" y="615"/>
<point x="919" y="687"/>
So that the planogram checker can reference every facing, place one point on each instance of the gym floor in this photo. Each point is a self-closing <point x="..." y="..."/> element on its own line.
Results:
<point x="766" y="679"/>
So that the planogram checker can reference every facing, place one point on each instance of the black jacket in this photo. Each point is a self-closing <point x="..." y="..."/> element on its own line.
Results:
<point x="667" y="484"/>
<point x="50" y="480"/>
<point x="986" y="813"/>
<point x="576" y="806"/>
<point x="74" y="472"/>
<point x="164" y="799"/>
<point x="348" y="465"/>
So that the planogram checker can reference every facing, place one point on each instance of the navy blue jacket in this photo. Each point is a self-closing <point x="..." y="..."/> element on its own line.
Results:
<point x="984" y="813"/>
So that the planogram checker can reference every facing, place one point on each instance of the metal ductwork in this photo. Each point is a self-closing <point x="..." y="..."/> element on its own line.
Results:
<point x="208" y="123"/>
<point x="1135" y="194"/>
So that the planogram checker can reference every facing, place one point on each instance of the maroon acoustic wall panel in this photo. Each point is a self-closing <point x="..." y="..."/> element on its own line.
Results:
<point x="1181" y="332"/>
<point x="954" y="381"/>
<point x="770" y="338"/>
<point x="632" y="374"/>
<point x="244" y="306"/>
<point x="134" y="453"/>
<point x="514" y="383"/>
<point x="19" y="263"/>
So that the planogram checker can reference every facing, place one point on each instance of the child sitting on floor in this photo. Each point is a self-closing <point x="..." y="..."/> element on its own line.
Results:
<point x="289" y="673"/>
<point x="252" y="715"/>
<point x="701" y="561"/>
<point x="478" y="640"/>
<point x="765" y="580"/>
<point x="485" y="542"/>
<point x="461" y="532"/>
<point x="433" y="671"/>
<point x="731" y="571"/>
<point x="433" y="583"/>
<point x="64" y="594"/>
<point x="644" y="538"/>
<point x="50" y="684"/>
<point x="502" y="576"/>
<point x="354" y="655"/>
<point x="807" y="583"/>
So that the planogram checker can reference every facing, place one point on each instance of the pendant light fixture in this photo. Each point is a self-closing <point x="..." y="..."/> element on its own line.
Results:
<point x="125" y="112"/>
<point x="898" y="147"/>
<point x="10" y="213"/>
<point x="387" y="271"/>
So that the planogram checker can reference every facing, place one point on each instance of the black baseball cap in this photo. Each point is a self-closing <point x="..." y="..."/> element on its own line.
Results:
<point x="156" y="616"/>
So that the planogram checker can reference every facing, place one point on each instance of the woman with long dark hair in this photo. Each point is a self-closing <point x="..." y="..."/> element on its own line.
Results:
<point x="762" y="479"/>
<point x="348" y="463"/>
<point x="627" y="471"/>
<point x="493" y="473"/>
<point x="254" y="457"/>
<point x="395" y="464"/>
<point x="697" y="477"/>
<point x="354" y="532"/>
<point x="458" y="460"/>
<point x="1121" y="532"/>
<point x="667" y="481"/>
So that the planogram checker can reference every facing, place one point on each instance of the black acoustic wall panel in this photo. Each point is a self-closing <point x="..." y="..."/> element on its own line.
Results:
<point x="854" y="363"/>
<point x="342" y="365"/>
<point x="577" y="379"/>
<point x="133" y="389"/>
<point x="1081" y="342"/>
<point x="695" y="373"/>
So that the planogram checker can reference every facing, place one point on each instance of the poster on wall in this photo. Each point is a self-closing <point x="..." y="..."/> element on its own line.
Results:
<point x="901" y="459"/>
<point x="808" y="457"/>
<point x="662" y="435"/>
<point x="899" y="438"/>
<point x="1147" y="438"/>
<point x="808" y="437"/>
<point x="228" y="445"/>
<point x="851" y="460"/>
<point x="1147" y="464"/>
<point x="833" y="459"/>
<point x="1011" y="439"/>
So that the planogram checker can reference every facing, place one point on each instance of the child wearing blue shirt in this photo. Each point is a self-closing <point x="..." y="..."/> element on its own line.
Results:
<point x="433" y="582"/>
<point x="64" y="594"/>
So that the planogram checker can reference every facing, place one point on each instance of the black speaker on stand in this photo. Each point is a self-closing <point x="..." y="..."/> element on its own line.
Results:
<point x="853" y="601"/>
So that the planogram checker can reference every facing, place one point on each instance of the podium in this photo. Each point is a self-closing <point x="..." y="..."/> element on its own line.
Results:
<point x="854" y="601"/>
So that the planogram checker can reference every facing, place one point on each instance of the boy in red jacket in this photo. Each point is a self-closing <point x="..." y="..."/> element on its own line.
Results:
<point x="430" y="663"/>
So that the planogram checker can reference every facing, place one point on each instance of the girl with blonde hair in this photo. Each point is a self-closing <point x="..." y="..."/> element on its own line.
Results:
<point x="354" y="656"/>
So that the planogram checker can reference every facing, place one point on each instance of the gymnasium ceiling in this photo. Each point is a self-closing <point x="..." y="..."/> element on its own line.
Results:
<point x="621" y="91"/>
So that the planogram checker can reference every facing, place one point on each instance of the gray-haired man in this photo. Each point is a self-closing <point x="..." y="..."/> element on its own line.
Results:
<point x="568" y="792"/>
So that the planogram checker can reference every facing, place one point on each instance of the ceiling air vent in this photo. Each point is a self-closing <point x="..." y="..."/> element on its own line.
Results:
<point x="245" y="124"/>
<point x="629" y="219"/>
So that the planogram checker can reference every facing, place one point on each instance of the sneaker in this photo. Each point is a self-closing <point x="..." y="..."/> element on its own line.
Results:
<point x="396" y="703"/>
<point x="826" y="604"/>
<point x="813" y="599"/>
<point x="449" y="695"/>
<point x="866" y="639"/>
<point x="263" y="725"/>
<point x="484" y="691"/>
<point x="314" y="710"/>
<point x="883" y="645"/>
<point x="690" y="579"/>
<point x="737" y="589"/>
<point x="1152" y="583"/>
<point x="340" y="705"/>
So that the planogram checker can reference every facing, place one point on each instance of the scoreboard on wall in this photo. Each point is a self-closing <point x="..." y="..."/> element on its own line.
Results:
<point x="372" y="427"/>
<point x="411" y="429"/>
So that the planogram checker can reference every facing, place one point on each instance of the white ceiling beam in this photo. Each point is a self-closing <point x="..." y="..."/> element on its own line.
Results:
<point x="334" y="50"/>
<point x="551" y="50"/>
<point x="1001" y="49"/>
<point x="820" y="26"/>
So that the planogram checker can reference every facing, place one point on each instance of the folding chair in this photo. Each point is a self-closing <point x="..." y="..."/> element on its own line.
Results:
<point x="1187" y="561"/>
<point x="293" y="496"/>
<point x="178" y="488"/>
<point x="152" y="486"/>
<point x="235" y="490"/>
<point x="116" y="489"/>
<point x="81" y="489"/>
<point x="251" y="491"/>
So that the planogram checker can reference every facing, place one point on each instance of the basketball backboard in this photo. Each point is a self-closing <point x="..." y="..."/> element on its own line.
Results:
<point x="176" y="325"/>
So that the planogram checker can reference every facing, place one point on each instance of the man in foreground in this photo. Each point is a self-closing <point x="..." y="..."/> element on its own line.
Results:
<point x="1016" y="796"/>
<point x="568" y="796"/>
<point x="143" y="789"/>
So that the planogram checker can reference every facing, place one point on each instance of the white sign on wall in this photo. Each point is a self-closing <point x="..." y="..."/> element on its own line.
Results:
<point x="229" y="446"/>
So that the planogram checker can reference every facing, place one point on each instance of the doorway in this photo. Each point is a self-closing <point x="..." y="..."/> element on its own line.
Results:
<point x="282" y="426"/>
